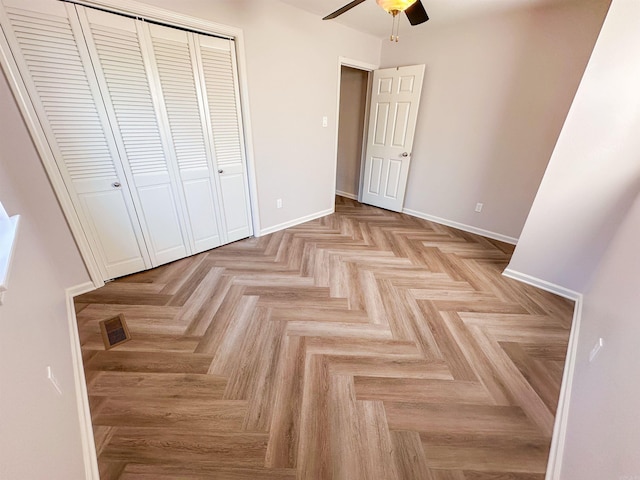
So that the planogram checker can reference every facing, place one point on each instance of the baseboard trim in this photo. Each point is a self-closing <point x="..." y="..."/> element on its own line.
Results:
<point x="556" y="453"/>
<point x="352" y="196"/>
<point x="462" y="226"/>
<point x="297" y="221"/>
<point x="542" y="284"/>
<point x="89" y="454"/>
<point x="80" y="289"/>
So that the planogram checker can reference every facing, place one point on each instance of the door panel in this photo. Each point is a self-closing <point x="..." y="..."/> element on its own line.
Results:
<point x="115" y="49"/>
<point x="395" y="100"/>
<point x="375" y="175"/>
<point x="161" y="217"/>
<point x="394" y="172"/>
<point x="232" y="182"/>
<point x="111" y="225"/>
<point x="401" y="124"/>
<point x="201" y="207"/>
<point x="49" y="50"/>
<point x="382" y="122"/>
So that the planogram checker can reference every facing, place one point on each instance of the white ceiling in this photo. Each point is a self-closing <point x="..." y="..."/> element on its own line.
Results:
<point x="368" y="17"/>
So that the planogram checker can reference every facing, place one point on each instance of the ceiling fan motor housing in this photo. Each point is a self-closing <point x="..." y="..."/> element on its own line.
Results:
<point x="412" y="8"/>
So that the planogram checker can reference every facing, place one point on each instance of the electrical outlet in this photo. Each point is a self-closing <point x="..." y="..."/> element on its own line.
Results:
<point x="54" y="381"/>
<point x="479" y="207"/>
<point x="279" y="203"/>
<point x="325" y="122"/>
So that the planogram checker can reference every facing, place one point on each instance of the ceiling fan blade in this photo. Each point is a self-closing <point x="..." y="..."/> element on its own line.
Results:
<point x="416" y="13"/>
<point x="346" y="8"/>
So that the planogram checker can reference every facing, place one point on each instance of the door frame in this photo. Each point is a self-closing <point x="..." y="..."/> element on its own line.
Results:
<point x="366" y="67"/>
<point x="160" y="15"/>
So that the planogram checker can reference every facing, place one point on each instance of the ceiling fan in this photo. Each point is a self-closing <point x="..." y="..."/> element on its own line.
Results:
<point x="413" y="9"/>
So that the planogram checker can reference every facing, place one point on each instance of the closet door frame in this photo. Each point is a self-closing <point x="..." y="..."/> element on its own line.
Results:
<point x="166" y="17"/>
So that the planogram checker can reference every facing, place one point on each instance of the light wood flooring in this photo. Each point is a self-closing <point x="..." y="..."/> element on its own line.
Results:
<point x="363" y="345"/>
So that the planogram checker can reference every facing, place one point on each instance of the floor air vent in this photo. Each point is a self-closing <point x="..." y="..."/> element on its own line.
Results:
<point x="114" y="331"/>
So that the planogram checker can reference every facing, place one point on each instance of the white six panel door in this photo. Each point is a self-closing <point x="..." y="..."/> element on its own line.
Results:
<point x="48" y="49"/>
<point x="395" y="99"/>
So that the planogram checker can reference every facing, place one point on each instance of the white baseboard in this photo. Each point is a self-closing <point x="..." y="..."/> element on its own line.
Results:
<point x="462" y="226"/>
<point x="82" y="399"/>
<point x="352" y="196"/>
<point x="542" y="284"/>
<point x="297" y="221"/>
<point x="80" y="289"/>
<point x="556" y="453"/>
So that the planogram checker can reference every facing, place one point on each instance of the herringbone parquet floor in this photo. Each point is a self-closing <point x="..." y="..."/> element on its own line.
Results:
<point x="363" y="345"/>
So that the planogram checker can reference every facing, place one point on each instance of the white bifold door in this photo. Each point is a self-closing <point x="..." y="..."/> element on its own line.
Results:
<point x="144" y="123"/>
<point x="395" y="98"/>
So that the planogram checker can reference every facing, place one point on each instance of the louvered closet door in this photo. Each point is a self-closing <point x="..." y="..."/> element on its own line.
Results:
<point x="47" y="45"/>
<point x="216" y="59"/>
<point x="131" y="102"/>
<point x="173" y="61"/>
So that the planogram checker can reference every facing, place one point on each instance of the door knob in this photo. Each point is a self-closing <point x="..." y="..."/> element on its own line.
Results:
<point x="115" y="184"/>
<point x="220" y="171"/>
<point x="405" y="154"/>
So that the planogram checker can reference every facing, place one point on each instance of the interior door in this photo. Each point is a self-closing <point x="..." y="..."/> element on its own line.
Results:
<point x="395" y="98"/>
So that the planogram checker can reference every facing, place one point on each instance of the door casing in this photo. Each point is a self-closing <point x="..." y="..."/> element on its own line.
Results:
<point x="367" y="67"/>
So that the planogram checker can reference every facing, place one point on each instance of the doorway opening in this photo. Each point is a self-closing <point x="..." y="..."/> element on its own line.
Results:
<point x="352" y="118"/>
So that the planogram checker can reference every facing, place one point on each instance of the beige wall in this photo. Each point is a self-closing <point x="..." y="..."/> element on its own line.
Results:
<point x="603" y="438"/>
<point x="39" y="432"/>
<point x="496" y="93"/>
<point x="353" y="99"/>
<point x="583" y="234"/>
<point x="594" y="173"/>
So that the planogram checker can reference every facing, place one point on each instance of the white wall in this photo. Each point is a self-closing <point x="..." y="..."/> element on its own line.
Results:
<point x="603" y="439"/>
<point x="39" y="430"/>
<point x="496" y="93"/>
<point x="583" y="234"/>
<point x="353" y="100"/>
<point x="293" y="64"/>
<point x="594" y="173"/>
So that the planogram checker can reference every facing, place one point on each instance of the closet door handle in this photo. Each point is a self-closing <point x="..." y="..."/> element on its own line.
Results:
<point x="115" y="184"/>
<point x="220" y="171"/>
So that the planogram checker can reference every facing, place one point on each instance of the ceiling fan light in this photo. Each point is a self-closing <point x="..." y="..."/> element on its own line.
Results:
<point x="396" y="6"/>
